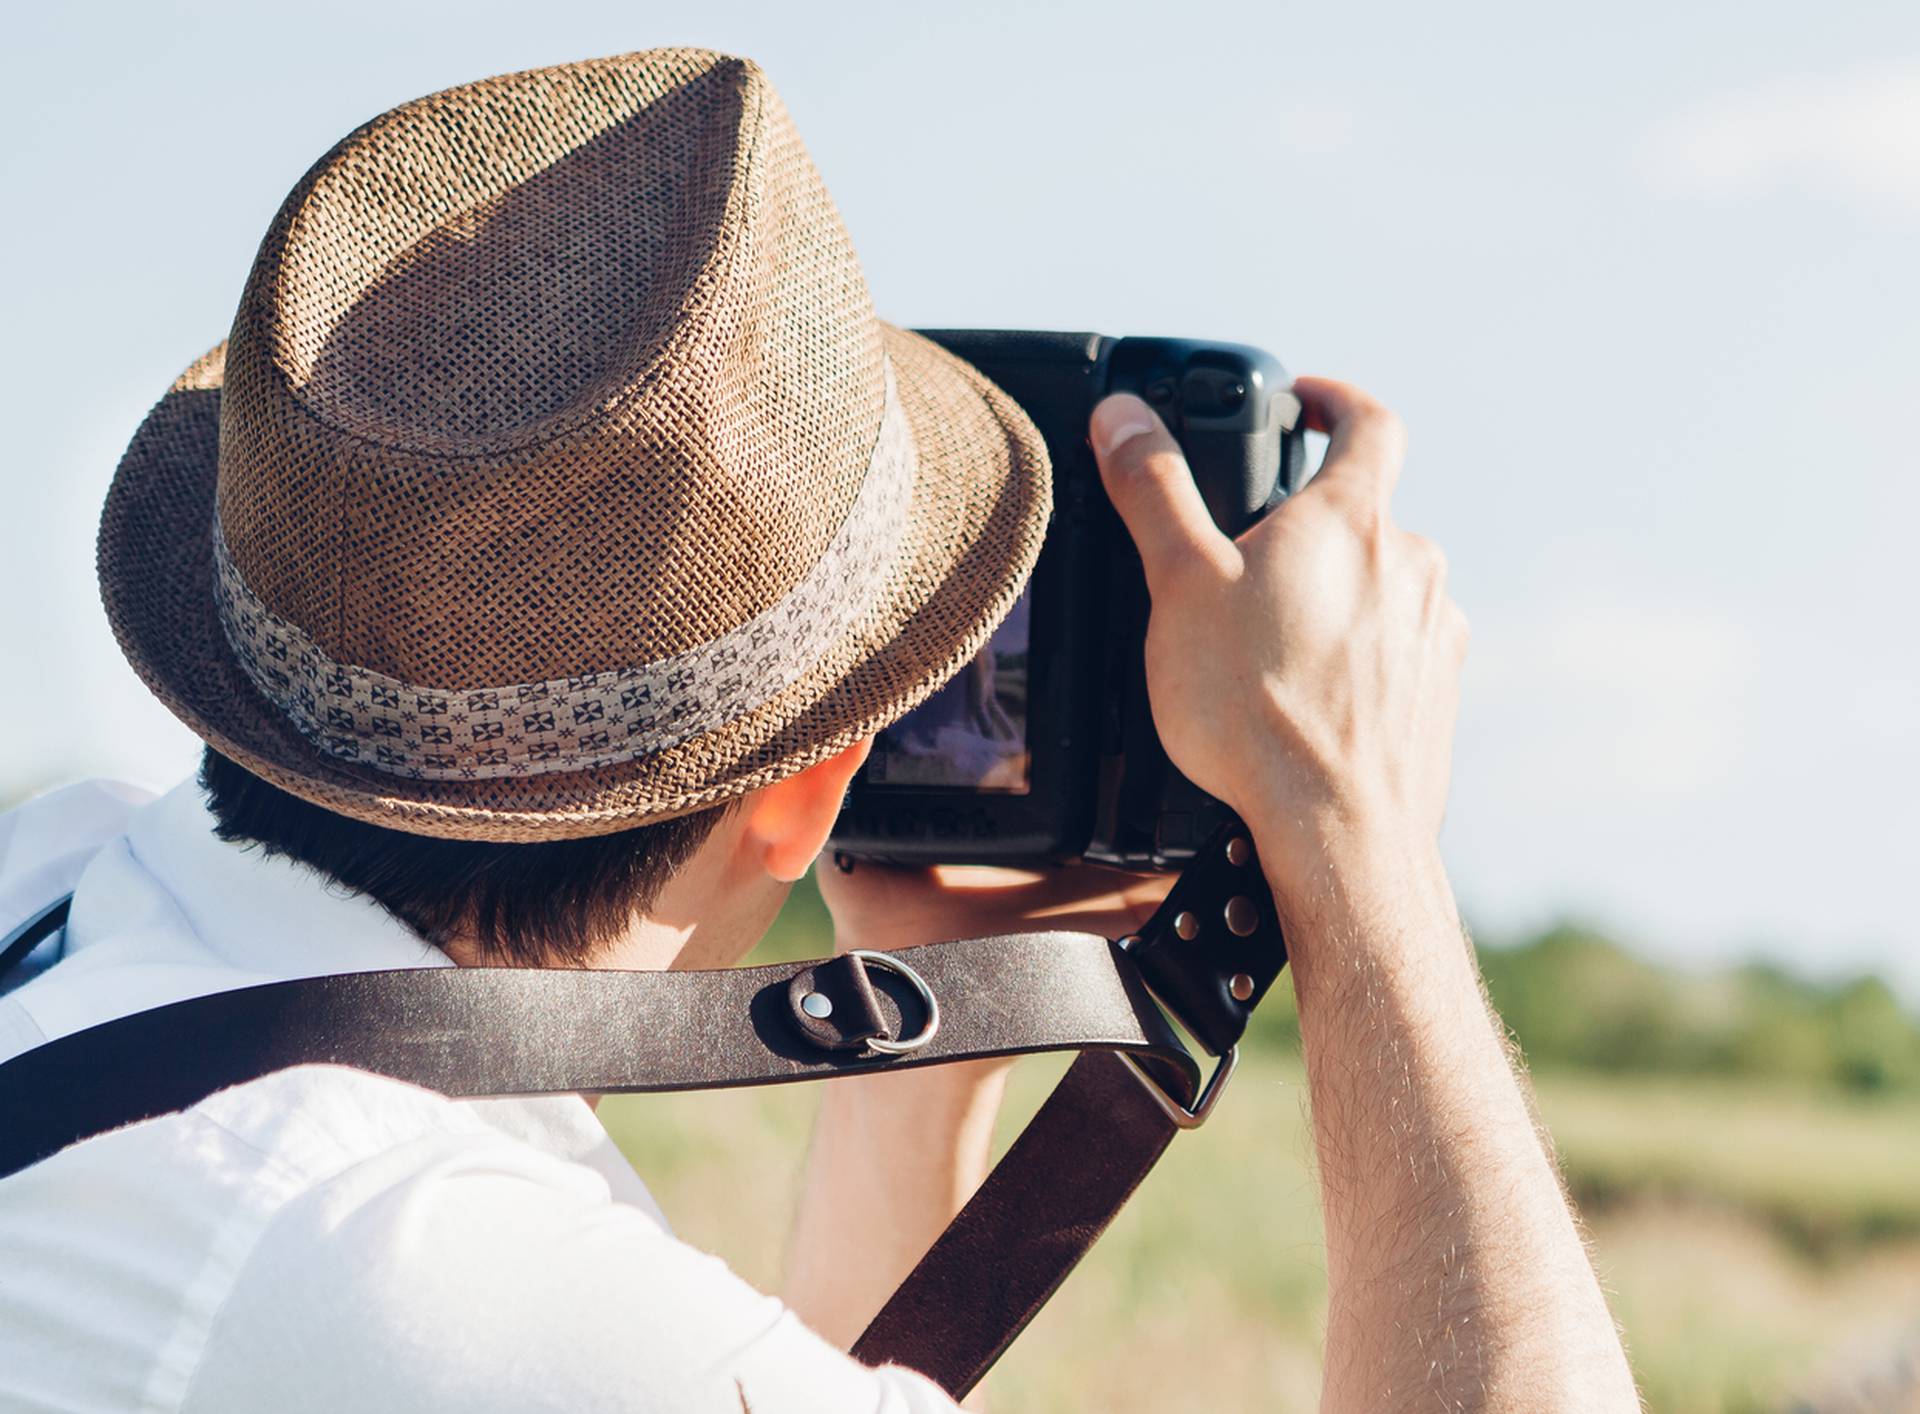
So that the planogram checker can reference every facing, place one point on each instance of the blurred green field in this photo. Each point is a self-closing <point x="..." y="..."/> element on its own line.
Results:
<point x="1759" y="1236"/>
<point x="1208" y="1292"/>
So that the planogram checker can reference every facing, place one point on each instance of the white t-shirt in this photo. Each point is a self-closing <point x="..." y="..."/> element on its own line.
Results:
<point x="323" y="1239"/>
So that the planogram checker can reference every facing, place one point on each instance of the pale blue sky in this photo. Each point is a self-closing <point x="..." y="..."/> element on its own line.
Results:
<point x="1640" y="276"/>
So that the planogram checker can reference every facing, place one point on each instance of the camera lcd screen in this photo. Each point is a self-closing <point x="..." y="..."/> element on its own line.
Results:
<point x="972" y="733"/>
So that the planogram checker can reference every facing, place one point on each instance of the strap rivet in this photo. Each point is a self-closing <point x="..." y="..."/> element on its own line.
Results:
<point x="1241" y="986"/>
<point x="1242" y="916"/>
<point x="1238" y="850"/>
<point x="1186" y="925"/>
<point x="817" y="1005"/>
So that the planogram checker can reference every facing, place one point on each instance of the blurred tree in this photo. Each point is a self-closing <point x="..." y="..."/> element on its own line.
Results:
<point x="1575" y="998"/>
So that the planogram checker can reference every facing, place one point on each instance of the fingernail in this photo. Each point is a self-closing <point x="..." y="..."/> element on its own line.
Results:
<point x="1117" y="421"/>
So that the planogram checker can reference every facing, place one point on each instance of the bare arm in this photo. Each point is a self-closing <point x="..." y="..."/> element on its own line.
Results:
<point x="1307" y="673"/>
<point x="896" y="1156"/>
<point x="1456" y="1277"/>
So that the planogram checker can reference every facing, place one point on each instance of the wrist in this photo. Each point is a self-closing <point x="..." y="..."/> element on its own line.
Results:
<point x="1302" y="843"/>
<point x="1336" y="879"/>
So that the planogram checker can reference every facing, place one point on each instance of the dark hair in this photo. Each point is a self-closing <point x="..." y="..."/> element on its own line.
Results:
<point x="544" y="904"/>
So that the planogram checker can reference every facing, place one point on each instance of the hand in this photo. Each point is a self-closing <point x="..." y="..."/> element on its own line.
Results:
<point x="1308" y="672"/>
<point x="883" y="906"/>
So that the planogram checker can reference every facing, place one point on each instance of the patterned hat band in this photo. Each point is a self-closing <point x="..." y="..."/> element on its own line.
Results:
<point x="579" y="723"/>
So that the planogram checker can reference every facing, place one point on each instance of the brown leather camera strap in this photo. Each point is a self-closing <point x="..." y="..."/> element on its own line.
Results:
<point x="1044" y="1205"/>
<point x="510" y="1031"/>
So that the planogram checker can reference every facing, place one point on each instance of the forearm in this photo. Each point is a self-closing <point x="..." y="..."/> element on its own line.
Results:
<point x="1457" y="1278"/>
<point x="894" y="1158"/>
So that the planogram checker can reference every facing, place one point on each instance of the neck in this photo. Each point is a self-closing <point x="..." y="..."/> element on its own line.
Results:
<point x="709" y="914"/>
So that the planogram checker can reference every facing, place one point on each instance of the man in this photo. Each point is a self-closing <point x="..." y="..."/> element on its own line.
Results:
<point x="538" y="558"/>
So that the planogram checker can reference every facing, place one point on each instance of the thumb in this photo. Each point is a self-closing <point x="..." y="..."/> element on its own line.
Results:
<point x="1150" y="484"/>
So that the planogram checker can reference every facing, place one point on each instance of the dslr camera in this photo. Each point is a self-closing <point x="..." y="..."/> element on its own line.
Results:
<point x="1042" y="749"/>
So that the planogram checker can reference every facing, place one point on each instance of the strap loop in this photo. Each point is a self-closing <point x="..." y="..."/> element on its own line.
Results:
<point x="837" y="1007"/>
<point x="929" y="1028"/>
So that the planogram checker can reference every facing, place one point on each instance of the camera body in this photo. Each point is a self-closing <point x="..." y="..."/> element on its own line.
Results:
<point x="1043" y="749"/>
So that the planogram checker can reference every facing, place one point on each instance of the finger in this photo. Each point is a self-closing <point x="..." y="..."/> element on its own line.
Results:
<point x="1366" y="442"/>
<point x="1150" y="484"/>
<point x="1046" y="892"/>
<point x="888" y="907"/>
<point x="1081" y="899"/>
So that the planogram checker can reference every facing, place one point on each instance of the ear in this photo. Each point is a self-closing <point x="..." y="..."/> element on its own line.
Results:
<point x="788" y="822"/>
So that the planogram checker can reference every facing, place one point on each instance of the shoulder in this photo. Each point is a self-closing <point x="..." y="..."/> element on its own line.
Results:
<point x="324" y="1239"/>
<point x="484" y="1281"/>
<point x="124" y="1253"/>
<point x="326" y="1123"/>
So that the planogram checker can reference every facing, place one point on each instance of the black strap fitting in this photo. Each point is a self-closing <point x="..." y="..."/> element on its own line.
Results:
<point x="1215" y="946"/>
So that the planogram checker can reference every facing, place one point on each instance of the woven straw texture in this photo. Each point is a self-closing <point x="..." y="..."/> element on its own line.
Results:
<point x="554" y="375"/>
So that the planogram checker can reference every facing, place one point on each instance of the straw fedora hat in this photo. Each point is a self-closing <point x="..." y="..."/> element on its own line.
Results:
<point x="557" y="475"/>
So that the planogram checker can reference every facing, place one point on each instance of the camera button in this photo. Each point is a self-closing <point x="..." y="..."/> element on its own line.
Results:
<point x="1211" y="392"/>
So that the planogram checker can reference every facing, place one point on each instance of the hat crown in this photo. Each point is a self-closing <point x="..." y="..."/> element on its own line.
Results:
<point x="557" y="475"/>
<point x="549" y="375"/>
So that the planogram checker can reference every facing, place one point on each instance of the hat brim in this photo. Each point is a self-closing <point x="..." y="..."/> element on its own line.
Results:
<point x="979" y="512"/>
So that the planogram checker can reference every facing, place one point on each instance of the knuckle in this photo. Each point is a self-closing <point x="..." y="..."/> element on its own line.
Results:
<point x="1360" y="512"/>
<point x="1380" y="420"/>
<point x="1427" y="556"/>
<point x="1362" y="405"/>
<point x="1378" y="529"/>
<point x="1170" y="579"/>
<point x="1461" y="627"/>
<point x="1315" y="512"/>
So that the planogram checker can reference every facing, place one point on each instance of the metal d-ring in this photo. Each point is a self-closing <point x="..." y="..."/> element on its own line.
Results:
<point x="887" y="962"/>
